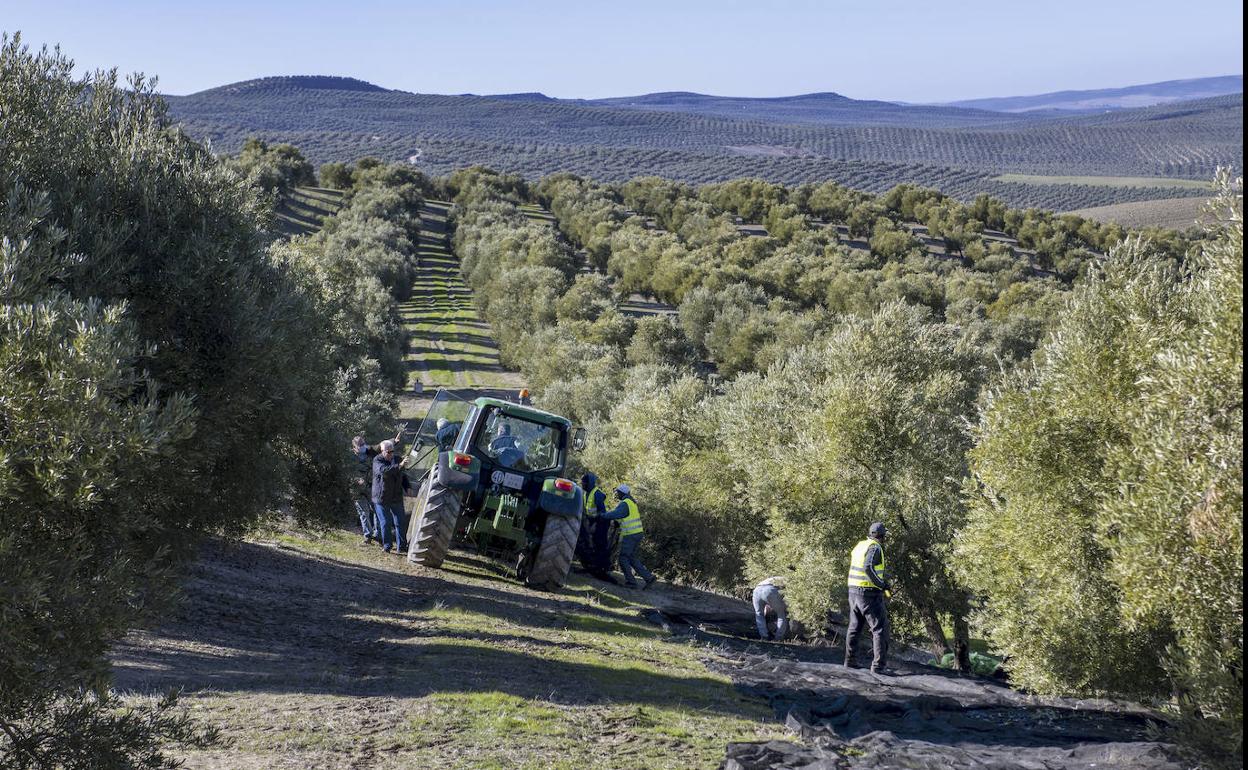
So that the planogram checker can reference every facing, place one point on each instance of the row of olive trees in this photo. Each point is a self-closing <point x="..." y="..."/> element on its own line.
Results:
<point x="746" y="300"/>
<point x="361" y="265"/>
<point x="1105" y="537"/>
<point x="162" y="376"/>
<point x="275" y="169"/>
<point x="1074" y="541"/>
<point x="661" y="428"/>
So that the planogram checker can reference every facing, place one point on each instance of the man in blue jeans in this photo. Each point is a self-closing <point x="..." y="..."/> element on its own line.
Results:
<point x="389" y="482"/>
<point x="363" y="453"/>
<point x="769" y="595"/>
<point x="630" y="537"/>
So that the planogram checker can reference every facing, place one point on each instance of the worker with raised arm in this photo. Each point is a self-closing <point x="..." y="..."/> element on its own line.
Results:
<point x="868" y="588"/>
<point x="389" y="483"/>
<point x="363" y="454"/>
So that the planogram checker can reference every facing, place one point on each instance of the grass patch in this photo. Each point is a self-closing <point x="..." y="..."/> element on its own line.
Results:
<point x="451" y="346"/>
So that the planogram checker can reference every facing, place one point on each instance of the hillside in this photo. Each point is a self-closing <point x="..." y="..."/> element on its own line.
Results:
<point x="302" y="210"/>
<point x="1099" y="100"/>
<point x="539" y="136"/>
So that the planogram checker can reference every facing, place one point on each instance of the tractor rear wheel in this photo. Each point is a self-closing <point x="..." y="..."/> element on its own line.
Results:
<point x="549" y="567"/>
<point x="439" y="510"/>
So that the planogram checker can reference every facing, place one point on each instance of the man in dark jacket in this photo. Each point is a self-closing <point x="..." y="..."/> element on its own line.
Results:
<point x="363" y="455"/>
<point x="389" y="482"/>
<point x="868" y="589"/>
<point x="594" y="545"/>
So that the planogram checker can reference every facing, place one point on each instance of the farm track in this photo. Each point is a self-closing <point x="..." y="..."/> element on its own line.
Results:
<point x="449" y="346"/>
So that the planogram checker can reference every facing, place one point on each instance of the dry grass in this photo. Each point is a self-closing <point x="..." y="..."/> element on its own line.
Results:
<point x="1108" y="181"/>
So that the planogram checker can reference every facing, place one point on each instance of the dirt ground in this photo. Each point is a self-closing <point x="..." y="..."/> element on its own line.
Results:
<point x="319" y="652"/>
<point x="315" y="651"/>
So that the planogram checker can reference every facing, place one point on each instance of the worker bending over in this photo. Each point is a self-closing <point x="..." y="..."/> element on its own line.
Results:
<point x="769" y="595"/>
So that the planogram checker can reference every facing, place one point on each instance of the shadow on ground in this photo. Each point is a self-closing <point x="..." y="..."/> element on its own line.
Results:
<point x="259" y="618"/>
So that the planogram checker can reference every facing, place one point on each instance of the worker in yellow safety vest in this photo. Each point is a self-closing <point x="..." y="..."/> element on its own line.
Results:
<point x="868" y="588"/>
<point x="630" y="537"/>
<point x="593" y="548"/>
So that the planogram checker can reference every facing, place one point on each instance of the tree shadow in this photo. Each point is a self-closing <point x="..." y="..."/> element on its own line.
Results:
<point x="256" y="618"/>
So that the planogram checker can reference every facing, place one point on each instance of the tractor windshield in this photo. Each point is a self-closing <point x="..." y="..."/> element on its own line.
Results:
<point x="520" y="444"/>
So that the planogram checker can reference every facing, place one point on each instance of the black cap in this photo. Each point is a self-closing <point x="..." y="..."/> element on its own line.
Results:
<point x="876" y="530"/>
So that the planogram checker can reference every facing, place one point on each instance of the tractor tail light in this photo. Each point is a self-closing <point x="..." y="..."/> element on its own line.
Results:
<point x="563" y="485"/>
<point x="461" y="460"/>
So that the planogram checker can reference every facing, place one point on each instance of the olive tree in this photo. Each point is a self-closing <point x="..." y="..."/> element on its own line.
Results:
<point x="865" y="424"/>
<point x="160" y="378"/>
<point x="1105" y="534"/>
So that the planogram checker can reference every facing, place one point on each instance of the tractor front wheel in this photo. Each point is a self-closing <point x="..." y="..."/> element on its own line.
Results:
<point x="549" y="567"/>
<point x="439" y="510"/>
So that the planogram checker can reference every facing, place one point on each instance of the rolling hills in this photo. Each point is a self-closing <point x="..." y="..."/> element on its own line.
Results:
<point x="1099" y="100"/>
<point x="818" y="108"/>
<point x="344" y="119"/>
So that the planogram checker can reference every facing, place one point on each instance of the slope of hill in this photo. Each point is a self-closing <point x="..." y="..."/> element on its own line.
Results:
<point x="536" y="136"/>
<point x="302" y="210"/>
<point x="1099" y="100"/>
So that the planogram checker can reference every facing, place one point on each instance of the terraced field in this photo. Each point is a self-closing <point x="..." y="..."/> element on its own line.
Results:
<point x="301" y="210"/>
<point x="449" y="345"/>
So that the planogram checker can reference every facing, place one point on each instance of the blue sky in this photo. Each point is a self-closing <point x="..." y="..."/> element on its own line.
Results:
<point x="911" y="51"/>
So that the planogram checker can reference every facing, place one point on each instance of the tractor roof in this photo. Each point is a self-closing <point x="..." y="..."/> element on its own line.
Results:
<point x="528" y="412"/>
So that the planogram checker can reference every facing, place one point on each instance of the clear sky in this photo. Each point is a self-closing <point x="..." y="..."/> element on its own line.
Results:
<point x="920" y="50"/>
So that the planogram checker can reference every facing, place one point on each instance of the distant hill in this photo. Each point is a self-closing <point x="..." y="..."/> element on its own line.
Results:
<point x="826" y="108"/>
<point x="345" y="119"/>
<point x="261" y="86"/>
<point x="1111" y="98"/>
<point x="530" y="96"/>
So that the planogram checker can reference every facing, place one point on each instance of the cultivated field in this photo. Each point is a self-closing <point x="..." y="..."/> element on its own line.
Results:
<point x="335" y="119"/>
<point x="1108" y="181"/>
<point x="1176" y="213"/>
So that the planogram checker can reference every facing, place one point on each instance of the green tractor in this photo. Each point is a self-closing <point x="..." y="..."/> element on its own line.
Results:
<point x="493" y="479"/>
